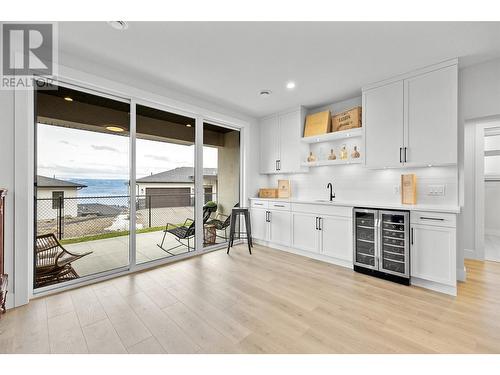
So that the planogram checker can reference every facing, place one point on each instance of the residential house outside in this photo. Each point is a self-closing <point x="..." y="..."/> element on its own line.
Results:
<point x="49" y="191"/>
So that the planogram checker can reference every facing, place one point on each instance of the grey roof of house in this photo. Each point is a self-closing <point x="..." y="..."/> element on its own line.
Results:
<point x="182" y="174"/>
<point x="48" y="182"/>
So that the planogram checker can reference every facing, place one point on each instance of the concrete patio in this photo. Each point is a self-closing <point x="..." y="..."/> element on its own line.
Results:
<point x="112" y="253"/>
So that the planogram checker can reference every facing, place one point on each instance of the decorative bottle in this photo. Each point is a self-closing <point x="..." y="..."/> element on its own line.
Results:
<point x="355" y="154"/>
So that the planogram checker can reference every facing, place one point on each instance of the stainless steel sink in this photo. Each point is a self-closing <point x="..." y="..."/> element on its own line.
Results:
<point x="323" y="201"/>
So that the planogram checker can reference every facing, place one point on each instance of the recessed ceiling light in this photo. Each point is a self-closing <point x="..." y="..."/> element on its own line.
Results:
<point x="265" y="93"/>
<point x="118" y="25"/>
<point x="189" y="125"/>
<point x="68" y="98"/>
<point x="290" y="85"/>
<point x="114" y="128"/>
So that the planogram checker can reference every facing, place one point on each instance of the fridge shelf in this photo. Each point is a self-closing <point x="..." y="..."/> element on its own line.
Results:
<point x="367" y="241"/>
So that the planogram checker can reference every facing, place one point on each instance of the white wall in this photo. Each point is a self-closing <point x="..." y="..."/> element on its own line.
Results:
<point x="7" y="180"/>
<point x="492" y="207"/>
<point x="479" y="99"/>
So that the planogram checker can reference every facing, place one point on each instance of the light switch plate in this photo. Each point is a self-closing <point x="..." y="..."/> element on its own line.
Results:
<point x="436" y="190"/>
<point x="396" y="189"/>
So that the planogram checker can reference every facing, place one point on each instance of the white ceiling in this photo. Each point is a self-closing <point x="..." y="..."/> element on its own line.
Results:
<point x="229" y="63"/>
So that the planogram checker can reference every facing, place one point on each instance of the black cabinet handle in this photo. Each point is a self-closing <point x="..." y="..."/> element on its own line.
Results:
<point x="411" y="239"/>
<point x="320" y="224"/>
<point x="400" y="153"/>
<point x="406" y="154"/>
<point x="316" y="223"/>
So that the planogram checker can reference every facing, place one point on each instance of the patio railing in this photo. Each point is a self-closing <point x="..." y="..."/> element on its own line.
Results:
<point x="77" y="218"/>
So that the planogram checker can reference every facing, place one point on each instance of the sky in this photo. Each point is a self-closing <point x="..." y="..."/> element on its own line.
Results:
<point x="73" y="153"/>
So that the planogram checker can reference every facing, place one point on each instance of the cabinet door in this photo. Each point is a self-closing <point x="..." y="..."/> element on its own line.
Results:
<point x="290" y="145"/>
<point x="259" y="224"/>
<point x="433" y="254"/>
<point x="305" y="236"/>
<point x="384" y="123"/>
<point x="431" y="118"/>
<point x="279" y="227"/>
<point x="269" y="144"/>
<point x="336" y="237"/>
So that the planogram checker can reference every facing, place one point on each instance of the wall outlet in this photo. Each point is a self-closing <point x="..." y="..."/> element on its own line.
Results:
<point x="396" y="189"/>
<point x="436" y="190"/>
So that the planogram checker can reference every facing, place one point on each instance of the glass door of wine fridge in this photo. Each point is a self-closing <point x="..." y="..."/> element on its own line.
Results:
<point x="365" y="238"/>
<point x="394" y="246"/>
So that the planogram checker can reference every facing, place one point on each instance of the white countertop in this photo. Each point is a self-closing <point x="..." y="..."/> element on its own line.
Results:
<point x="359" y="203"/>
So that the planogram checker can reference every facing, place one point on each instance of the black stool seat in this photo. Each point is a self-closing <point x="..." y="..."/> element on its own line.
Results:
<point x="235" y="213"/>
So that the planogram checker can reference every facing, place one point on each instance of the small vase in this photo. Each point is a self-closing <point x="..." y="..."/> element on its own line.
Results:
<point x="332" y="155"/>
<point x="343" y="153"/>
<point x="355" y="154"/>
<point x="311" y="157"/>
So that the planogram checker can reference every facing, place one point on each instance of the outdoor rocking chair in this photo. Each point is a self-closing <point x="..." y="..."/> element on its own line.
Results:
<point x="53" y="261"/>
<point x="186" y="231"/>
<point x="221" y="225"/>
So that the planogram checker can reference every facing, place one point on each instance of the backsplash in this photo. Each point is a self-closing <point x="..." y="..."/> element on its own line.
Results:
<point x="355" y="182"/>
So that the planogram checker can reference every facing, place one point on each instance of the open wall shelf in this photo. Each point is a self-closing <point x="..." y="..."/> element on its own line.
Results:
<point x="340" y="135"/>
<point x="322" y="163"/>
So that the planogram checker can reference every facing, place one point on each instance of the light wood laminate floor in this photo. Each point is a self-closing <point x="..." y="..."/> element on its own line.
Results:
<point x="268" y="302"/>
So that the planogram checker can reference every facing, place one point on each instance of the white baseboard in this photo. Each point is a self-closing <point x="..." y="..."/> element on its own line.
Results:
<point x="307" y="254"/>
<point x="437" y="287"/>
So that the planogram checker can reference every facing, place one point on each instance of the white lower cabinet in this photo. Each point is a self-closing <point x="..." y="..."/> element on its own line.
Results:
<point x="258" y="218"/>
<point x="279" y="227"/>
<point x="305" y="234"/>
<point x="336" y="237"/>
<point x="433" y="249"/>
<point x="271" y="226"/>
<point x="322" y="234"/>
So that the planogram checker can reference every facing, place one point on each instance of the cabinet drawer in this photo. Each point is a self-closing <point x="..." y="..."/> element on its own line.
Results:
<point x="320" y="209"/>
<point x="433" y="218"/>
<point x="259" y="204"/>
<point x="283" y="206"/>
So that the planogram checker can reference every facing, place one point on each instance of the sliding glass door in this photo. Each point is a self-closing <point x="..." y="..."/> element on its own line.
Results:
<point x="185" y="183"/>
<point x="165" y="184"/>
<point x="81" y="185"/>
<point x="221" y="180"/>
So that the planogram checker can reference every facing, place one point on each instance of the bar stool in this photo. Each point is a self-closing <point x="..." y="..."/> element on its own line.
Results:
<point x="235" y="213"/>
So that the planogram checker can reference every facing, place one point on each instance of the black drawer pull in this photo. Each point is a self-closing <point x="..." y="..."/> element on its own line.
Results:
<point x="279" y="205"/>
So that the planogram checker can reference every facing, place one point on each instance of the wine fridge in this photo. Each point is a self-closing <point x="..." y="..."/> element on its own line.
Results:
<point x="381" y="243"/>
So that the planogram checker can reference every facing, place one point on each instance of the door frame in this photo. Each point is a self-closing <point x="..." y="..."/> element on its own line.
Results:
<point x="475" y="129"/>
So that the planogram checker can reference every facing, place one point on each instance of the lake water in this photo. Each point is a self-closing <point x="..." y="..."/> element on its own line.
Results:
<point x="101" y="187"/>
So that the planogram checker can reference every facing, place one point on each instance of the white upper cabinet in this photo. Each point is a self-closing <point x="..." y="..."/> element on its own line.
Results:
<point x="269" y="144"/>
<point x="281" y="149"/>
<point x="412" y="121"/>
<point x="384" y="116"/>
<point x="431" y="118"/>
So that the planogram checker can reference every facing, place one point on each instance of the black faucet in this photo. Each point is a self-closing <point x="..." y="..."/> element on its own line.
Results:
<point x="332" y="193"/>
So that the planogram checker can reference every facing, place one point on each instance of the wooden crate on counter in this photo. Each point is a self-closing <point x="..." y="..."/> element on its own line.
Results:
<point x="349" y="119"/>
<point x="268" y="193"/>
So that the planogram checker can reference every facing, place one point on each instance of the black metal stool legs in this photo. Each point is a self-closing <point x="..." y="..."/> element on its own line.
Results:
<point x="236" y="212"/>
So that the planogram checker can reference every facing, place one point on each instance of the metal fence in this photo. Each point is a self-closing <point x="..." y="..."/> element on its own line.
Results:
<point x="76" y="217"/>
